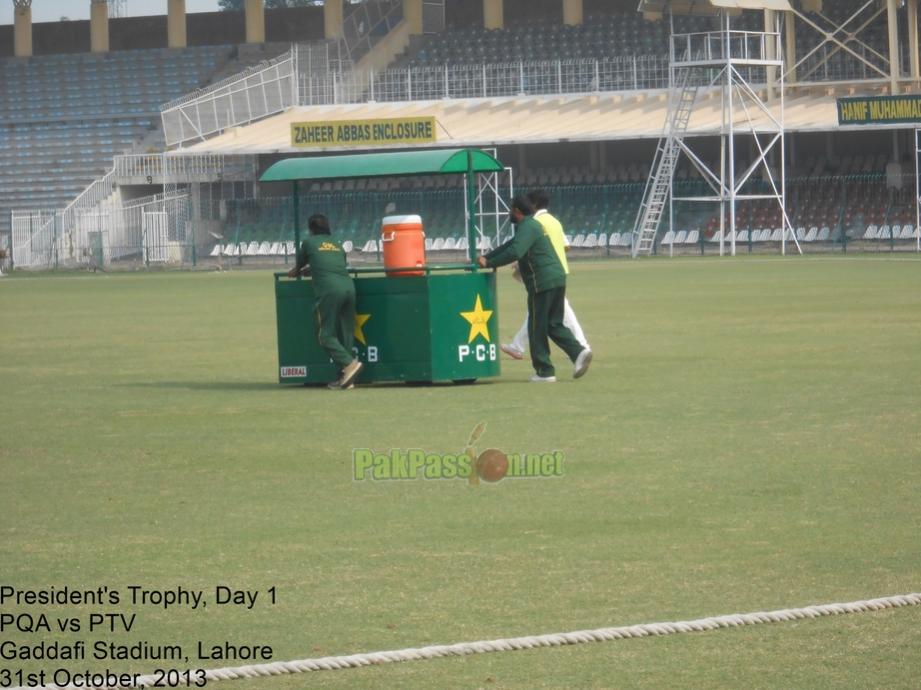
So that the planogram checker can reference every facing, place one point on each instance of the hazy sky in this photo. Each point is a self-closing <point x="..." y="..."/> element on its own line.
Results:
<point x="52" y="10"/>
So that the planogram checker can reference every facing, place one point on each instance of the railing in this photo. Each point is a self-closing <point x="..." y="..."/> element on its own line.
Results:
<point x="180" y="167"/>
<point x="713" y="46"/>
<point x="97" y="235"/>
<point x="32" y="239"/>
<point x="487" y="80"/>
<point x="264" y="90"/>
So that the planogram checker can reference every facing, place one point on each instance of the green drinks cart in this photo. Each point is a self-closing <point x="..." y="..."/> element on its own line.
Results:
<point x="442" y="325"/>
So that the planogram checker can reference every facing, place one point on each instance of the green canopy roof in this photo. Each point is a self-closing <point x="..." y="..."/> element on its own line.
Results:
<point x="423" y="162"/>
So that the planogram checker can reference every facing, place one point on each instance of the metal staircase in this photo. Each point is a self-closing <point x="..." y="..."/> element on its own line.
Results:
<point x="658" y="185"/>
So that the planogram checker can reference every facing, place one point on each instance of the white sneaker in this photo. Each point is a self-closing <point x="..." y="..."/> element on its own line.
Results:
<point x="350" y="372"/>
<point x="582" y="362"/>
<point x="512" y="351"/>
<point x="543" y="379"/>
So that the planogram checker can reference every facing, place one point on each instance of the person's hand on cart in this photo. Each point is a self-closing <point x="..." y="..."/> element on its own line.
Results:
<point x="294" y="272"/>
<point x="481" y="261"/>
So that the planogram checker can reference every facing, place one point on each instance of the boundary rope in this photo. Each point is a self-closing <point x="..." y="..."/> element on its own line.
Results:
<point x="332" y="663"/>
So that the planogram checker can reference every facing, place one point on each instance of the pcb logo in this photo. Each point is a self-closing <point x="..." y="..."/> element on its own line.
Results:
<point x="478" y="320"/>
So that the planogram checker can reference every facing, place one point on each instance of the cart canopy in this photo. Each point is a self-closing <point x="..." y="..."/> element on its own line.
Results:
<point x="427" y="162"/>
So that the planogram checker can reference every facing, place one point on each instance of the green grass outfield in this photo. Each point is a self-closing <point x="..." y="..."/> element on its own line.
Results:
<point x="748" y="438"/>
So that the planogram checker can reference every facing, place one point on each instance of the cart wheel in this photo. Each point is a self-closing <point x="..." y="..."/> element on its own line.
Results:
<point x="464" y="382"/>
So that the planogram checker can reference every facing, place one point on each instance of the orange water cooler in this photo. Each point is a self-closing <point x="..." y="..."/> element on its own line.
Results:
<point x="404" y="244"/>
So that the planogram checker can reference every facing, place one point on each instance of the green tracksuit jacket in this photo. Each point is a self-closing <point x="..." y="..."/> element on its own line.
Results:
<point x="538" y="262"/>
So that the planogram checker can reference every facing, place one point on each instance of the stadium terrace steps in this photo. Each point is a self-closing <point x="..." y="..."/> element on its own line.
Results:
<point x="63" y="117"/>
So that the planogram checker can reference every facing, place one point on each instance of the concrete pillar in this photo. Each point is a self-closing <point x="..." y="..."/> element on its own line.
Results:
<point x="913" y="40"/>
<point x="893" y="16"/>
<point x="790" y="45"/>
<point x="493" y="14"/>
<point x="771" y="50"/>
<point x="572" y="12"/>
<point x="176" y="25"/>
<point x="332" y="19"/>
<point x="22" y="28"/>
<point x="255" y="21"/>
<point x="412" y="15"/>
<point x="99" y="26"/>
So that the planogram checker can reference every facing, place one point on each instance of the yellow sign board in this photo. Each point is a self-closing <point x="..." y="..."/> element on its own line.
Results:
<point x="333" y="133"/>
<point x="879" y="110"/>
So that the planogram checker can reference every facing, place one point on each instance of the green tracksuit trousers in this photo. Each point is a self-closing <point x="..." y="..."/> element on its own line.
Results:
<point x="545" y="319"/>
<point x="335" y="312"/>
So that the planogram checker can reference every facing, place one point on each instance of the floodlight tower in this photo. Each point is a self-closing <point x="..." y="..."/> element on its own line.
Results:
<point x="118" y="8"/>
<point x="746" y="67"/>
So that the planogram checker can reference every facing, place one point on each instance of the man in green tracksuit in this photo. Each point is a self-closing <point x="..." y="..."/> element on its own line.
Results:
<point x="545" y="279"/>
<point x="323" y="258"/>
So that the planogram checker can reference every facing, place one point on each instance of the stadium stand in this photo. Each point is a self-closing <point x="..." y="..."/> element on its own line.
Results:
<point x="63" y="117"/>
<point x="601" y="36"/>
<point x="598" y="212"/>
<point x="832" y="64"/>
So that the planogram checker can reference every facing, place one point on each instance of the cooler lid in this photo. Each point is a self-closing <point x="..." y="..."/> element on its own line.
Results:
<point x="400" y="220"/>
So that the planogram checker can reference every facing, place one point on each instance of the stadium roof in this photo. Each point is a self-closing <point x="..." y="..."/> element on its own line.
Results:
<point x="424" y="162"/>
<point x="710" y="6"/>
<point x="481" y="123"/>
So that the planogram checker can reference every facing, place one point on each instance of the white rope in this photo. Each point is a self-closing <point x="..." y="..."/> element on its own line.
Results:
<point x="331" y="663"/>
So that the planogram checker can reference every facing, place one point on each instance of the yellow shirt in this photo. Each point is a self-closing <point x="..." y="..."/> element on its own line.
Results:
<point x="554" y="230"/>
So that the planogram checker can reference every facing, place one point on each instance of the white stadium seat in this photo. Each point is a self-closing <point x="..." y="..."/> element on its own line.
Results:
<point x="681" y="236"/>
<point x="811" y="235"/>
<point x="692" y="237"/>
<point x="216" y="250"/>
<point x="871" y="232"/>
<point x="438" y="244"/>
<point x="824" y="234"/>
<point x="908" y="231"/>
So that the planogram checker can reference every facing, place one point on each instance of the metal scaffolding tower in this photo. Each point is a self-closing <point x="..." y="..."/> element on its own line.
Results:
<point x="745" y="67"/>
